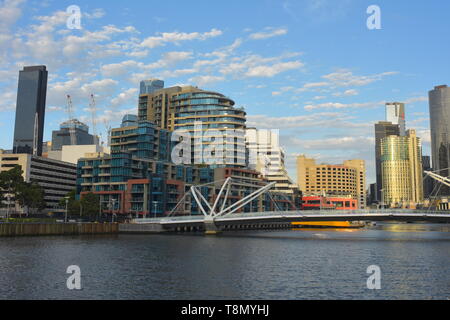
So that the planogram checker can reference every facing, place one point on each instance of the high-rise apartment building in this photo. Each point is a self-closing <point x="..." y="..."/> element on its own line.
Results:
<point x="267" y="157"/>
<point x="215" y="126"/>
<point x="138" y="177"/>
<point x="150" y="86"/>
<point x="383" y="129"/>
<point x="30" y="110"/>
<point x="395" y="113"/>
<point x="401" y="166"/>
<point x="345" y="179"/>
<point x="439" y="100"/>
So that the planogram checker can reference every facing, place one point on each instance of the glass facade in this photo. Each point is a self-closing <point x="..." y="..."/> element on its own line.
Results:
<point x="439" y="100"/>
<point x="30" y="110"/>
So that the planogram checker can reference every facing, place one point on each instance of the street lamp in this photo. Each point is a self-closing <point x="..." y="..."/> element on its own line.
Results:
<point x="9" y="202"/>
<point x="155" y="205"/>
<point x="65" y="215"/>
<point x="113" y="208"/>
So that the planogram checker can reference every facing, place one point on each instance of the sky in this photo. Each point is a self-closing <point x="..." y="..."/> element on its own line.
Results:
<point x="311" y="69"/>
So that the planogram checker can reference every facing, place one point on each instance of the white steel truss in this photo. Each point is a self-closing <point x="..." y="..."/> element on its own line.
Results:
<point x="210" y="212"/>
<point x="439" y="178"/>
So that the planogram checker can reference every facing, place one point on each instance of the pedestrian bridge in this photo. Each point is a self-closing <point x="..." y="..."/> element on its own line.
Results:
<point x="281" y="219"/>
<point x="217" y="216"/>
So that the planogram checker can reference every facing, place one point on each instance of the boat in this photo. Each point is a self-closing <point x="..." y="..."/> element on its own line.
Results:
<point x="328" y="224"/>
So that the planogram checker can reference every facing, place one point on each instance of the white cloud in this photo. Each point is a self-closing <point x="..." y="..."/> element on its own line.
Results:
<point x="176" y="37"/>
<point x="205" y="80"/>
<point x="347" y="93"/>
<point x="271" y="32"/>
<point x="338" y="105"/>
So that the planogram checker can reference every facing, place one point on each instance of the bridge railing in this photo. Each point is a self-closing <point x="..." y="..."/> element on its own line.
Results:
<point x="299" y="213"/>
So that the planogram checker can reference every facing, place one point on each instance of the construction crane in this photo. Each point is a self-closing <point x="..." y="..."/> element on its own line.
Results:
<point x="93" y="109"/>
<point x="73" y="138"/>
<point x="108" y="128"/>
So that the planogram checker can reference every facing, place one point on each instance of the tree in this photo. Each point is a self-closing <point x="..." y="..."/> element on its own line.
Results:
<point x="31" y="196"/>
<point x="11" y="180"/>
<point x="11" y="183"/>
<point x="90" y="204"/>
<point x="73" y="205"/>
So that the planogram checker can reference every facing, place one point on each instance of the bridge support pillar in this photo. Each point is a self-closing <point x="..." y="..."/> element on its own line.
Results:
<point x="211" y="228"/>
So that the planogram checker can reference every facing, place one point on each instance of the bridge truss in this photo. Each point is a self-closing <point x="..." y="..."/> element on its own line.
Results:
<point x="220" y="208"/>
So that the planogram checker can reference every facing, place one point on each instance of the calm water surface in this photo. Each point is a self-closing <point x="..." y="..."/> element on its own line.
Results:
<point x="308" y="264"/>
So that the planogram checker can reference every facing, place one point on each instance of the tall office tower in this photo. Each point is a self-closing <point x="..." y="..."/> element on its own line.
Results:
<point x="216" y="127"/>
<point x="61" y="137"/>
<point x="428" y="182"/>
<point x="267" y="157"/>
<point x="347" y="179"/>
<point x="401" y="166"/>
<point x="150" y="86"/>
<point x="395" y="113"/>
<point x="30" y="110"/>
<point x="383" y="129"/>
<point x="439" y="100"/>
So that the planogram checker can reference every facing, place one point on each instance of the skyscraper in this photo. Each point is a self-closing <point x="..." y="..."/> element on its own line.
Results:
<point x="150" y="86"/>
<point x="395" y="113"/>
<point x="439" y="100"/>
<point x="401" y="167"/>
<point x="30" y="110"/>
<point x="383" y="129"/>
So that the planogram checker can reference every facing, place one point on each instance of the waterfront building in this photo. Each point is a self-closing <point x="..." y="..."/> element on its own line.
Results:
<point x="216" y="128"/>
<point x="57" y="178"/>
<point x="395" y="113"/>
<point x="30" y="110"/>
<point x="80" y="131"/>
<point x="138" y="178"/>
<point x="382" y="129"/>
<point x="267" y="157"/>
<point x="401" y="165"/>
<point x="318" y="202"/>
<point x="345" y="179"/>
<point x="150" y="86"/>
<point x="439" y="103"/>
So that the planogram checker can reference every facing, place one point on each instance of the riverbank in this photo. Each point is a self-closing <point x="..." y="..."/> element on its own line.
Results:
<point x="55" y="229"/>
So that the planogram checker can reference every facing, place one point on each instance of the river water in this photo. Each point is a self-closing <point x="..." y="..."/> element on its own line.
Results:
<point x="414" y="260"/>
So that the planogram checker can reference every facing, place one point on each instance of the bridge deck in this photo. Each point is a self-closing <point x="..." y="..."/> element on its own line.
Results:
<point x="310" y="215"/>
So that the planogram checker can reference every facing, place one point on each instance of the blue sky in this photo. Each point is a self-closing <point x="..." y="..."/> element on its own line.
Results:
<point x="311" y="68"/>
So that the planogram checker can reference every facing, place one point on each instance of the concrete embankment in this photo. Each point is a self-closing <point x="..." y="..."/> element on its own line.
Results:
<point x="55" y="229"/>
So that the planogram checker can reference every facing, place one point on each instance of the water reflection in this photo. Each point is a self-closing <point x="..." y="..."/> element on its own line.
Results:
<point x="300" y="264"/>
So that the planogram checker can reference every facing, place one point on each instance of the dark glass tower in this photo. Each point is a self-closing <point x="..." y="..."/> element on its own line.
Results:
<point x="30" y="110"/>
<point x="383" y="129"/>
<point x="439" y="100"/>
